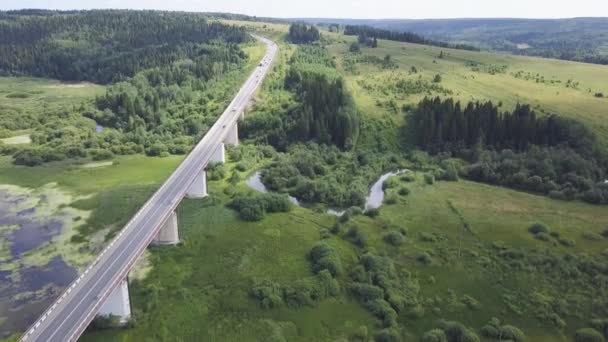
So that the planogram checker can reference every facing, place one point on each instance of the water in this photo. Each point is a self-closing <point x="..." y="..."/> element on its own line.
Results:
<point x="255" y="183"/>
<point x="376" y="193"/>
<point x="99" y="128"/>
<point x="25" y="291"/>
<point x="373" y="200"/>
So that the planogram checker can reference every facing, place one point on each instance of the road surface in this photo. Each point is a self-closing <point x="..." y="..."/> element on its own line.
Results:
<point x="69" y="316"/>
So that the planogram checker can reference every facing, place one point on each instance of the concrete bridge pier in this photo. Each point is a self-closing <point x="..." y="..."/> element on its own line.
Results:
<point x="118" y="303"/>
<point x="198" y="189"/>
<point x="169" y="233"/>
<point x="219" y="155"/>
<point x="232" y="138"/>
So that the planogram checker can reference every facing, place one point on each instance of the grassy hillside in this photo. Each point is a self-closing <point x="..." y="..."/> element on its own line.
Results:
<point x="581" y="39"/>
<point x="472" y="76"/>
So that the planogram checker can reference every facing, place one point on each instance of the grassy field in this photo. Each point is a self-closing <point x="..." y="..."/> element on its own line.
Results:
<point x="475" y="76"/>
<point x="200" y="290"/>
<point x="27" y="94"/>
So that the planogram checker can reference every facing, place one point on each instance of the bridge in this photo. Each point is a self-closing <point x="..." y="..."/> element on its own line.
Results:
<point x="103" y="288"/>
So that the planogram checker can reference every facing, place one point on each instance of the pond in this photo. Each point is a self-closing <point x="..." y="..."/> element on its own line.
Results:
<point x="33" y="271"/>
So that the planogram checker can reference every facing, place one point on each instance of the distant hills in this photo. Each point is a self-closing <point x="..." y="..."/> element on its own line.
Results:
<point x="578" y="39"/>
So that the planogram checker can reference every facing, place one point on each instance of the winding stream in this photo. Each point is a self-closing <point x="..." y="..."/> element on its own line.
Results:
<point x="373" y="201"/>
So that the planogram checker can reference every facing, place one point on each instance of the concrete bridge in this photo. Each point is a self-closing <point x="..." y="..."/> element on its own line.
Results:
<point x="103" y="287"/>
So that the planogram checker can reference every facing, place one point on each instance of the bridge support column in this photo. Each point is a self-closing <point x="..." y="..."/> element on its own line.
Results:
<point x="198" y="189"/>
<point x="168" y="234"/>
<point x="219" y="156"/>
<point x="118" y="304"/>
<point x="232" y="139"/>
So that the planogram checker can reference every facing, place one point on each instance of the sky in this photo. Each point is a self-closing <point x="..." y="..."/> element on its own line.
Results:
<point x="368" y="9"/>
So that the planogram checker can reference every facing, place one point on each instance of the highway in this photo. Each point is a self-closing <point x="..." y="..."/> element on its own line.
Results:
<point x="69" y="316"/>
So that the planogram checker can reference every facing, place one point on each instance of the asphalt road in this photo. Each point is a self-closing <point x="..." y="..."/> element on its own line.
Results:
<point x="69" y="316"/>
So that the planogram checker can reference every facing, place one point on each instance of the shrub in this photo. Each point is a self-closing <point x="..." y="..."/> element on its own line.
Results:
<point x="588" y="335"/>
<point x="435" y="335"/>
<point x="408" y="177"/>
<point x="336" y="228"/>
<point x="471" y="302"/>
<point x="591" y="236"/>
<point x="268" y="293"/>
<point x="387" y="335"/>
<point x="567" y="242"/>
<point x="429" y="178"/>
<point x="323" y="257"/>
<point x="382" y="310"/>
<point x="509" y="332"/>
<point x="394" y="238"/>
<point x="356" y="236"/>
<point x="456" y="331"/>
<point x="366" y="292"/>
<point x="543" y="236"/>
<point x="403" y="191"/>
<point x="373" y="212"/>
<point x="538" y="228"/>
<point x="605" y="233"/>
<point x="437" y="78"/>
<point x="424" y="258"/>
<point x="390" y="200"/>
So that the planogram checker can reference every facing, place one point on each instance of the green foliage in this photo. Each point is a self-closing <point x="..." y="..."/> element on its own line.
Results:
<point x="457" y="332"/>
<point x="429" y="178"/>
<point x="254" y="208"/>
<point x="409" y="37"/>
<point x="323" y="257"/>
<point x="103" y="46"/>
<point x="588" y="335"/>
<point x="434" y="335"/>
<point x="356" y="236"/>
<point x="303" y="34"/>
<point x="394" y="238"/>
<point x="538" y="228"/>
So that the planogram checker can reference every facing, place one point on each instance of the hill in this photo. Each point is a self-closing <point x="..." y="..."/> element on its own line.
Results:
<point x="578" y="39"/>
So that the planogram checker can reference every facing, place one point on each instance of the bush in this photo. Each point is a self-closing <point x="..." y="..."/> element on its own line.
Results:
<point x="404" y="191"/>
<point x="390" y="200"/>
<point x="373" y="212"/>
<point x="394" y="238"/>
<point x="591" y="236"/>
<point x="387" y="335"/>
<point x="356" y="236"/>
<point x="408" y="177"/>
<point x="605" y="233"/>
<point x="383" y="311"/>
<point x="509" y="332"/>
<point x="268" y="293"/>
<point x="424" y="258"/>
<point x="543" y="236"/>
<point x="435" y="335"/>
<point x="437" y="78"/>
<point x="429" y="178"/>
<point x="588" y="335"/>
<point x="366" y="292"/>
<point x="538" y="228"/>
<point x="323" y="257"/>
<point x="567" y="242"/>
<point x="457" y="332"/>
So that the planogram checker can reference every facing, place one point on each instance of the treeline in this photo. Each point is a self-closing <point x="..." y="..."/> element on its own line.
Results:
<point x="444" y="125"/>
<point x="323" y="110"/>
<point x="103" y="46"/>
<point x="300" y="33"/>
<point x="550" y="155"/>
<point x="406" y="37"/>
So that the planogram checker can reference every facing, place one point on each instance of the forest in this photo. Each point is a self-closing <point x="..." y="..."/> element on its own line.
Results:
<point x="322" y="111"/>
<point x="547" y="154"/>
<point x="406" y="37"/>
<point x="102" y="46"/>
<point x="303" y="34"/>
<point x="172" y="74"/>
